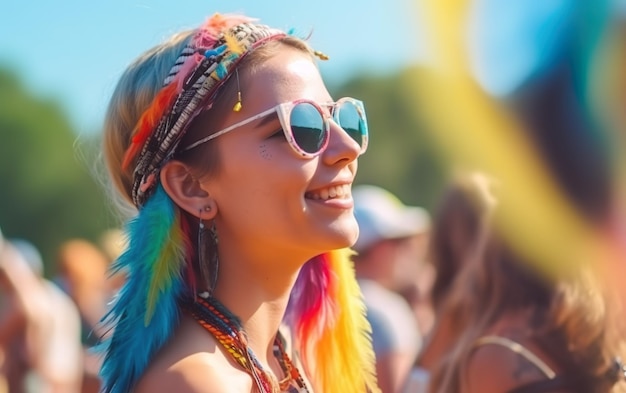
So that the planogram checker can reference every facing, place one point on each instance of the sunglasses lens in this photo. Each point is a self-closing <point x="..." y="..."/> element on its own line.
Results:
<point x="307" y="127"/>
<point x="350" y="118"/>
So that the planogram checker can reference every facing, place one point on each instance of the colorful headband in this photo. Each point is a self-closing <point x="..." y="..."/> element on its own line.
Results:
<point x="204" y="65"/>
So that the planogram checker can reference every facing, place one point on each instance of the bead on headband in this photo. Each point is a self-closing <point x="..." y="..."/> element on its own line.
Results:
<point x="204" y="65"/>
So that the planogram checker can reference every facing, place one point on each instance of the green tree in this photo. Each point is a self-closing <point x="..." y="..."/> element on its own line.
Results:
<point x="47" y="193"/>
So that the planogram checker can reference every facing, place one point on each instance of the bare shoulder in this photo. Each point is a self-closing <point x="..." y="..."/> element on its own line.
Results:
<point x="192" y="362"/>
<point x="497" y="369"/>
<point x="198" y="373"/>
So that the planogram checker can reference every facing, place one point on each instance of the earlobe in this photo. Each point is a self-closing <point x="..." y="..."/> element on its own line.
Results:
<point x="186" y="191"/>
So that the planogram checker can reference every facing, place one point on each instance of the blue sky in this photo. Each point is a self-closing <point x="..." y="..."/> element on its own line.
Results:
<point x="75" y="50"/>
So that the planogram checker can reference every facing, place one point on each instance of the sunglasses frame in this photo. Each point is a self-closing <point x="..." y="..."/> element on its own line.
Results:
<point x="283" y="111"/>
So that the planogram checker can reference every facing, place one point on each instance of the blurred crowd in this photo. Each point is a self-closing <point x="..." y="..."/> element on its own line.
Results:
<point x="453" y="307"/>
<point x="511" y="284"/>
<point x="50" y="326"/>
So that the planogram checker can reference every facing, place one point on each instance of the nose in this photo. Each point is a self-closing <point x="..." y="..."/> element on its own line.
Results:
<point x="341" y="147"/>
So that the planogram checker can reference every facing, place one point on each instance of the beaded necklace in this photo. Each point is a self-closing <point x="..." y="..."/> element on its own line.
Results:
<point x="228" y="331"/>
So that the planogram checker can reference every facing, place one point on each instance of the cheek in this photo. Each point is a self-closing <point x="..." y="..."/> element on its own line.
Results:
<point x="265" y="151"/>
<point x="264" y="170"/>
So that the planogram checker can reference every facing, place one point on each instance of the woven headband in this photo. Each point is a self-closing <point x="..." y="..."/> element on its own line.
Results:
<point x="204" y="65"/>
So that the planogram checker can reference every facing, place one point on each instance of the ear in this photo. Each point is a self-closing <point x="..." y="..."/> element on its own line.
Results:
<point x="186" y="191"/>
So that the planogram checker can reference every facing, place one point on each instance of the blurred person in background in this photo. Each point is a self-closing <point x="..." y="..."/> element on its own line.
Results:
<point x="457" y="225"/>
<point x="389" y="250"/>
<point x="82" y="272"/>
<point x="520" y="331"/>
<point x="417" y="292"/>
<point x="39" y="326"/>
<point x="457" y="230"/>
<point x="113" y="243"/>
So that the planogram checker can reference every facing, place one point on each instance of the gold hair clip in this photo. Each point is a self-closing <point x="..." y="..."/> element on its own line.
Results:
<point x="238" y="104"/>
<point x="322" y="56"/>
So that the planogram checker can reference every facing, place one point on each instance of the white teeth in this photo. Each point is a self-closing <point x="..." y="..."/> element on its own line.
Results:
<point x="330" y="192"/>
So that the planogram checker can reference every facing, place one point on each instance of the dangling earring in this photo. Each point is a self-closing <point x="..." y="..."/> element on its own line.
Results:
<point x="208" y="260"/>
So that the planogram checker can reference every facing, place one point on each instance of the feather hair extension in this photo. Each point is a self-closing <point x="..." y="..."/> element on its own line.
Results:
<point x="233" y="45"/>
<point x="154" y="285"/>
<point x="166" y="269"/>
<point x="312" y="303"/>
<point x="331" y="330"/>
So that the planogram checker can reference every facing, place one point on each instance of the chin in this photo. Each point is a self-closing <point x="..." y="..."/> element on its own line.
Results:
<point x="343" y="236"/>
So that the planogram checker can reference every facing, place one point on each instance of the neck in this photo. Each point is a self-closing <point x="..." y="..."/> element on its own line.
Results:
<point x="257" y="292"/>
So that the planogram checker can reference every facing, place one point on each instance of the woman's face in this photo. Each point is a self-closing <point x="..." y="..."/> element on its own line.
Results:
<point x="268" y="198"/>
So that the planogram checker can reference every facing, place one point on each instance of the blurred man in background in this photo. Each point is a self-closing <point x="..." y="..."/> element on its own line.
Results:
<point x="390" y="248"/>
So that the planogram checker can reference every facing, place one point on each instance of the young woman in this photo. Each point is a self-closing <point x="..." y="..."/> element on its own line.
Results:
<point x="240" y="165"/>
<point x="458" y="227"/>
<point x="526" y="333"/>
<point x="506" y="327"/>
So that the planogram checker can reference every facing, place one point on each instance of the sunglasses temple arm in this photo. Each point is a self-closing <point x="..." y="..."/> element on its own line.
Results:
<point x="229" y="128"/>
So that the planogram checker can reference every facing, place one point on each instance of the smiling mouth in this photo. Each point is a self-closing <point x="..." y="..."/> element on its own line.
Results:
<point x="334" y="192"/>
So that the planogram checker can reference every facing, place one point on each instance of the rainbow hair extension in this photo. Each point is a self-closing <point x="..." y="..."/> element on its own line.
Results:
<point x="145" y="311"/>
<point x="327" y="316"/>
<point x="149" y="120"/>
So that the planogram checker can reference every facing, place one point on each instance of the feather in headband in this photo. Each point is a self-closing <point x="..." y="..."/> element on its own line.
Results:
<point x="145" y="312"/>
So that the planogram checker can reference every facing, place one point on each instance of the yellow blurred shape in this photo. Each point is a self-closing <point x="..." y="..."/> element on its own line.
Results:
<point x="474" y="131"/>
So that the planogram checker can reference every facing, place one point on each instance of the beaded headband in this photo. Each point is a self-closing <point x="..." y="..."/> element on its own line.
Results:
<point x="204" y="65"/>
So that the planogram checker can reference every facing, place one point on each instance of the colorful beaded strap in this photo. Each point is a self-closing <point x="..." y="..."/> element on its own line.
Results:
<point x="228" y="331"/>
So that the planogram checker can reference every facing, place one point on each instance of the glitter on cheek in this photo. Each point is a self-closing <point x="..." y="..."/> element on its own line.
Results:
<point x="264" y="152"/>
